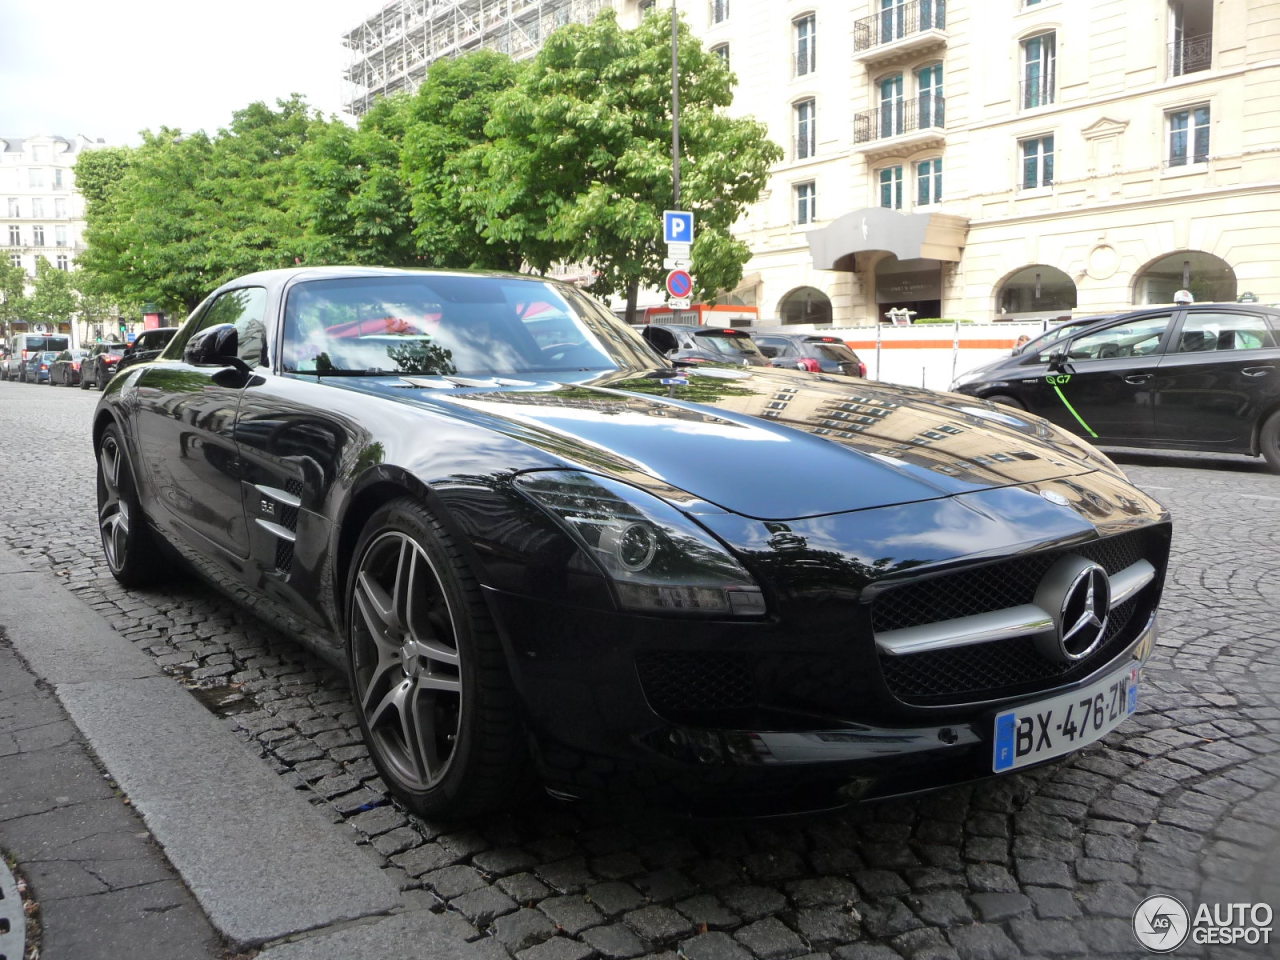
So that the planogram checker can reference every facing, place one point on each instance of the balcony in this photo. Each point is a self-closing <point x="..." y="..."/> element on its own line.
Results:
<point x="1036" y="92"/>
<point x="1190" y="55"/>
<point x="907" y="123"/>
<point x="905" y="29"/>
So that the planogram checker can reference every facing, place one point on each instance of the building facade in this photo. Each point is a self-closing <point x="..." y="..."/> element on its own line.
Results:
<point x="43" y="214"/>
<point x="992" y="159"/>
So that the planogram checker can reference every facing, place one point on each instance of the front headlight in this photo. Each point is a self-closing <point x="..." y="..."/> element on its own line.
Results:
<point x="657" y="559"/>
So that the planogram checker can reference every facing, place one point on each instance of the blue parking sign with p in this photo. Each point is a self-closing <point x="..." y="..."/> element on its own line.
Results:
<point x="677" y="226"/>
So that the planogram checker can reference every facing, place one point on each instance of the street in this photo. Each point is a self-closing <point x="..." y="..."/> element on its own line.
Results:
<point x="1182" y="800"/>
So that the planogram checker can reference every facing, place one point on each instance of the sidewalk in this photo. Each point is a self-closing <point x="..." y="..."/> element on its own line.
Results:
<point x="146" y="829"/>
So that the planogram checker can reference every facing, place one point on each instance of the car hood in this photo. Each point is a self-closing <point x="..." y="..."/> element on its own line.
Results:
<point x="765" y="443"/>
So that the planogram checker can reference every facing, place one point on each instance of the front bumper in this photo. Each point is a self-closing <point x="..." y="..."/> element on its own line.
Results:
<point x="596" y="733"/>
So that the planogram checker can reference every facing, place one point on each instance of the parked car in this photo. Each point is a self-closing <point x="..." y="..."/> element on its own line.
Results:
<point x="65" y="369"/>
<point x="1058" y="332"/>
<point x="147" y="346"/>
<point x="97" y="370"/>
<point x="817" y="353"/>
<point x="688" y="344"/>
<point x="27" y="345"/>
<point x="1200" y="377"/>
<point x="743" y="589"/>
<point x="36" y="368"/>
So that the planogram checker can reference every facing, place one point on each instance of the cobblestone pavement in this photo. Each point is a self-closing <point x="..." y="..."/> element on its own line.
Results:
<point x="1181" y="800"/>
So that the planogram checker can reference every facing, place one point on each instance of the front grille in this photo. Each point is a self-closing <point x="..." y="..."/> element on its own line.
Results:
<point x="682" y="683"/>
<point x="1004" y="668"/>
<point x="996" y="586"/>
<point x="289" y="517"/>
<point x="293" y="486"/>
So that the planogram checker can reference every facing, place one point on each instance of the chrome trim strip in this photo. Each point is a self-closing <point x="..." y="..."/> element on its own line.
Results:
<point x="283" y="497"/>
<point x="965" y="631"/>
<point x="284" y="533"/>
<point x="1130" y="580"/>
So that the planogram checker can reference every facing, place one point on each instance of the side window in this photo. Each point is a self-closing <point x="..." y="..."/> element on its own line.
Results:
<point x="661" y="340"/>
<point x="246" y="309"/>
<point x="1136" y="338"/>
<point x="1204" y="331"/>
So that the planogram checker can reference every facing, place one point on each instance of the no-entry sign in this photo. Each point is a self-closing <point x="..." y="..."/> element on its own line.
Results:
<point x="679" y="283"/>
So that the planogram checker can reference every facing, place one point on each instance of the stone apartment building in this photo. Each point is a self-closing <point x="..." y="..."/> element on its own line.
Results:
<point x="983" y="159"/>
<point x="42" y="213"/>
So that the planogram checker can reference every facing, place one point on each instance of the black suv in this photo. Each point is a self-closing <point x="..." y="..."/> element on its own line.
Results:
<point x="693" y="344"/>
<point x="1205" y="376"/>
<point x="148" y="345"/>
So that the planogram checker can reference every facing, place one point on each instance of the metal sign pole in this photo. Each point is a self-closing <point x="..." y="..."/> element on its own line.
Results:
<point x="675" y="107"/>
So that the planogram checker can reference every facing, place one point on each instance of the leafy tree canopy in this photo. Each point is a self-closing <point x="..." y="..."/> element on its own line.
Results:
<point x="54" y="299"/>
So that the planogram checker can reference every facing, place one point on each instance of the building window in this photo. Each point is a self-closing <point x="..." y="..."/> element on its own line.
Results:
<point x="891" y="106"/>
<point x="57" y="178"/>
<point x="37" y="236"/>
<point x="60" y="235"/>
<point x="721" y="50"/>
<point x="14" y="209"/>
<point x="805" y="43"/>
<point x="806" y="202"/>
<point x="61" y="262"/>
<point x="719" y="11"/>
<point x="891" y="188"/>
<point x="893" y="19"/>
<point x="929" y="181"/>
<point x="60" y="208"/>
<point x="1189" y="136"/>
<point x="39" y="154"/>
<point x="929" y="91"/>
<point x="806" y="129"/>
<point x="16" y="260"/>
<point x="1039" y="70"/>
<point x="15" y="236"/>
<point x="1037" y="162"/>
<point x="1191" y="37"/>
<point x="35" y="178"/>
<point x="1030" y="3"/>
<point x="37" y="207"/>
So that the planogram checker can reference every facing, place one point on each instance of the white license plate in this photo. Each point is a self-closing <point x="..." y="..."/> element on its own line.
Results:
<point x="1050" y="728"/>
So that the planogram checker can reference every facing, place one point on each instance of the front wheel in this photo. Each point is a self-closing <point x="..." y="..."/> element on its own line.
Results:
<point x="1007" y="400"/>
<point x="1269" y="440"/>
<point x="84" y="382"/>
<point x="430" y="682"/>
<point x="131" y="551"/>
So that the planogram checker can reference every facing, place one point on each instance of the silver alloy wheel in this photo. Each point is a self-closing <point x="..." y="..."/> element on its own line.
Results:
<point x="113" y="509"/>
<point x="407" y="667"/>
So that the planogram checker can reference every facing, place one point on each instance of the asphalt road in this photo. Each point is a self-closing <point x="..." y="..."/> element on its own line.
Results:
<point x="1182" y="800"/>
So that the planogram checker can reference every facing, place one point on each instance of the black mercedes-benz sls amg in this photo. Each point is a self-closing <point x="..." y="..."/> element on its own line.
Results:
<point x="540" y="551"/>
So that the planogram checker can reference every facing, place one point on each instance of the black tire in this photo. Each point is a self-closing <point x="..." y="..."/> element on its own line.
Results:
<point x="84" y="382"/>
<point x="1269" y="440"/>
<point x="1007" y="400"/>
<point x="423" y="655"/>
<point x="133" y="556"/>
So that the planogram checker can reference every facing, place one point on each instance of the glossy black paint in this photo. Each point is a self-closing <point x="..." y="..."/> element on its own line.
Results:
<point x="1171" y="397"/>
<point x="825" y="489"/>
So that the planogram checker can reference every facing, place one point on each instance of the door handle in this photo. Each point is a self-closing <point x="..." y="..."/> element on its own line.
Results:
<point x="1257" y="371"/>
<point x="1137" y="378"/>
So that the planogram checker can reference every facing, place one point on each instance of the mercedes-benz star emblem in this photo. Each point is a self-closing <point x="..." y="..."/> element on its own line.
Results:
<point x="1077" y="593"/>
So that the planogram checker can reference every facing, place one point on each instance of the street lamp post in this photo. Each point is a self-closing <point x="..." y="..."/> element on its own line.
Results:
<point x="675" y="107"/>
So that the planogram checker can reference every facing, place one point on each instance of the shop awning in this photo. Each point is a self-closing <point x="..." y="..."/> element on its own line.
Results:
<point x="910" y="236"/>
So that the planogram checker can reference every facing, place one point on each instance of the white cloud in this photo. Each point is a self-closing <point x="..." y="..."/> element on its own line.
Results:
<point x="110" y="70"/>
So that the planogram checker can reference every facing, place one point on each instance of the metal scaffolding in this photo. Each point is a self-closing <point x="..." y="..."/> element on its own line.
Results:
<point x="392" y="50"/>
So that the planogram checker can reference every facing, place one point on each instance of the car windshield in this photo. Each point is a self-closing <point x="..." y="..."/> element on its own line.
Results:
<point x="428" y="325"/>
<point x="730" y="344"/>
<point x="833" y="351"/>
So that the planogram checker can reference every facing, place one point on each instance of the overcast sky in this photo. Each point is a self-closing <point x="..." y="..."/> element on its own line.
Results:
<point x="110" y="68"/>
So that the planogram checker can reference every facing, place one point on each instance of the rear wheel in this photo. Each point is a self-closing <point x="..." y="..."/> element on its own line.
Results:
<point x="132" y="553"/>
<point x="1269" y="440"/>
<point x="1007" y="400"/>
<point x="428" y="675"/>
<point x="84" y="380"/>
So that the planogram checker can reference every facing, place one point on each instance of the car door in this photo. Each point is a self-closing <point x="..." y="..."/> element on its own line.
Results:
<point x="184" y="422"/>
<point x="1221" y="370"/>
<point x="1107" y="390"/>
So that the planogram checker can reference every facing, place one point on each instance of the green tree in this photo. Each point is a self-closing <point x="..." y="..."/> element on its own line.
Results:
<point x="54" y="299"/>
<point x="580" y="167"/>
<point x="13" y="300"/>
<point x="442" y="160"/>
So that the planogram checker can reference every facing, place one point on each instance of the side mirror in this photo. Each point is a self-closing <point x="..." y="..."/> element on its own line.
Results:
<point x="1058" y="361"/>
<point x="216" y="346"/>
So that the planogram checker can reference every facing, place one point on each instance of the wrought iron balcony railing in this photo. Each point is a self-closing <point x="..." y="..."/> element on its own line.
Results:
<point x="1037" y="92"/>
<point x="924" y="112"/>
<point x="898" y="21"/>
<point x="1190" y="55"/>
